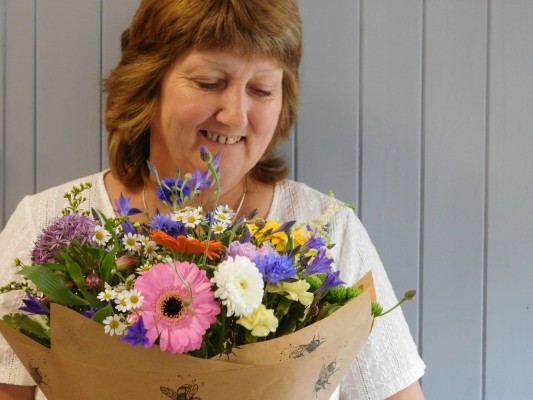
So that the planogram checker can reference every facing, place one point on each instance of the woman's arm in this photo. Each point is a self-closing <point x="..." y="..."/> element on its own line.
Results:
<point x="15" y="392"/>
<point x="413" y="392"/>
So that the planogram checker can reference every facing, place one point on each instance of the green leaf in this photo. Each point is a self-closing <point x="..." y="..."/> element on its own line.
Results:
<point x="27" y="324"/>
<point x="74" y="270"/>
<point x="102" y="313"/>
<point x="52" y="286"/>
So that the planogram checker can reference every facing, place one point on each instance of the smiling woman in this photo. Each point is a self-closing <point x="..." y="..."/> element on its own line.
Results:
<point x="219" y="74"/>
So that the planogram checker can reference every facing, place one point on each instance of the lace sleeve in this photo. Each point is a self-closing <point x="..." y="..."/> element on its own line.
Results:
<point x="16" y="240"/>
<point x="389" y="361"/>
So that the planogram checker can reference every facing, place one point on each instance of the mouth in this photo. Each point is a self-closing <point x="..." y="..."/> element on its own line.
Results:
<point x="221" y="139"/>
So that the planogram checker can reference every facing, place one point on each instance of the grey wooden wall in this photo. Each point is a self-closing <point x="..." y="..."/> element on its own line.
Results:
<point x="418" y="112"/>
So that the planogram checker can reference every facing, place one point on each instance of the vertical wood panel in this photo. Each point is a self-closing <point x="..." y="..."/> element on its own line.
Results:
<point x="329" y="107"/>
<point x="510" y="235"/>
<point x="391" y="104"/>
<point x="68" y="90"/>
<point x="2" y="114"/>
<point x="116" y="16"/>
<point x="455" y="105"/>
<point x="19" y="101"/>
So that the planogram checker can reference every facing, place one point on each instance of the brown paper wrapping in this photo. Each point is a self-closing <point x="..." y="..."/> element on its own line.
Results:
<point x="85" y="363"/>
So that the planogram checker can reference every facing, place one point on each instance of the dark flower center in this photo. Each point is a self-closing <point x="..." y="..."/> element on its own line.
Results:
<point x="172" y="307"/>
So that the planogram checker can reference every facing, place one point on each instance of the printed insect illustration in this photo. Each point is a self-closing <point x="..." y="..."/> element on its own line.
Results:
<point x="184" y="392"/>
<point x="325" y="373"/>
<point x="35" y="373"/>
<point x="304" y="349"/>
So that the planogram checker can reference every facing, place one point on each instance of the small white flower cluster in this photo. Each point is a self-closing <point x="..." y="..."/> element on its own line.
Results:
<point x="125" y="300"/>
<point x="190" y="217"/>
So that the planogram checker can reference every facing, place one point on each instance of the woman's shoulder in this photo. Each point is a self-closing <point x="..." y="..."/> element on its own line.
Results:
<point x="48" y="203"/>
<point x="298" y="201"/>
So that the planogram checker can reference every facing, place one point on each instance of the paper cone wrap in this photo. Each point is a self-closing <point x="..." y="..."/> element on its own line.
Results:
<point x="85" y="363"/>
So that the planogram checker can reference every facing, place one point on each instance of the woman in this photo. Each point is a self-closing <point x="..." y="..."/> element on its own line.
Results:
<point x="223" y="74"/>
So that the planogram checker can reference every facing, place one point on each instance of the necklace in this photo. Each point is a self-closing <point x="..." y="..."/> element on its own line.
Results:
<point x="241" y="202"/>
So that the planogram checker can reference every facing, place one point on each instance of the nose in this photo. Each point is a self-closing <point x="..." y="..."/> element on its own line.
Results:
<point x="234" y="107"/>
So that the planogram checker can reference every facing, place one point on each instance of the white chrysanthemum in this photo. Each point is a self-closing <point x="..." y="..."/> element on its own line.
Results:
<point x="131" y="242"/>
<point x="101" y="235"/>
<point x="114" y="325"/>
<point x="129" y="300"/>
<point x="295" y="291"/>
<point x="239" y="285"/>
<point x="260" y="322"/>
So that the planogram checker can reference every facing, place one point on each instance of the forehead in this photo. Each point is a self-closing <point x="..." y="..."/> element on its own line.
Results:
<point x="226" y="61"/>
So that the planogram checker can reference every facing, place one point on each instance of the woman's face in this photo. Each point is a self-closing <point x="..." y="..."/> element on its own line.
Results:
<point x="225" y="102"/>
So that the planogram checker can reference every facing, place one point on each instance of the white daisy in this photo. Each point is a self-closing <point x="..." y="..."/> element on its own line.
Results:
<point x="224" y="214"/>
<point x="128" y="300"/>
<point x="113" y="325"/>
<point x="107" y="295"/>
<point x="219" y="227"/>
<point x="239" y="285"/>
<point x="101" y="235"/>
<point x="131" y="242"/>
<point x="150" y="248"/>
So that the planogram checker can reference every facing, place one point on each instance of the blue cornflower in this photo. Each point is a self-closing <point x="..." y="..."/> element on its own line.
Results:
<point x="320" y="264"/>
<point x="173" y="191"/>
<point x="165" y="223"/>
<point x="32" y="305"/>
<point x="90" y="312"/>
<point x="332" y="280"/>
<point x="136" y="334"/>
<point x="275" y="267"/>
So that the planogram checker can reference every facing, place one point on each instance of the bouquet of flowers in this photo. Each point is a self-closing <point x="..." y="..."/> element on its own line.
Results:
<point x="193" y="283"/>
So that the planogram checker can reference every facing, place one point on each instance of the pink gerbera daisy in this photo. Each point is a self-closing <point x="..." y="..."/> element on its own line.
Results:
<point x="179" y="305"/>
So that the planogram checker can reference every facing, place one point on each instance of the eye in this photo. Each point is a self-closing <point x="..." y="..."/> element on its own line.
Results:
<point x="263" y="93"/>
<point x="209" y="86"/>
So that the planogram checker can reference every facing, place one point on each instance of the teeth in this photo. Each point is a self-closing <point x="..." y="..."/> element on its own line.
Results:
<point x="222" y="139"/>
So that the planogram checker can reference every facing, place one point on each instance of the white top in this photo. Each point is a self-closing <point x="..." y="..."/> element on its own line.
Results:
<point x="388" y="362"/>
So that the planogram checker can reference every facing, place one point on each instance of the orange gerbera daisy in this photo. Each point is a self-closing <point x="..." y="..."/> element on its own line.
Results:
<point x="183" y="244"/>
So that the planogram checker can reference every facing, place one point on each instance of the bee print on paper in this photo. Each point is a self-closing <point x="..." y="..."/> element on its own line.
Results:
<point x="184" y="392"/>
<point x="326" y="373"/>
<point x="307" y="348"/>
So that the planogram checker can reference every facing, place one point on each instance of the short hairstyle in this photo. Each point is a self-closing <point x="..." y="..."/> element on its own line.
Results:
<point x="161" y="31"/>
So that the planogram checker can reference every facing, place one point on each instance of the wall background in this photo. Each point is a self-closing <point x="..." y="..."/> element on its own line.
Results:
<point x="418" y="112"/>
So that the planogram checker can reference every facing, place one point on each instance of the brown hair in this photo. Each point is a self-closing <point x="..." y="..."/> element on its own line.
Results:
<point x="162" y="30"/>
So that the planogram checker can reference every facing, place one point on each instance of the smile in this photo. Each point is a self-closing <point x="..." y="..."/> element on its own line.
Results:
<point x="221" y="139"/>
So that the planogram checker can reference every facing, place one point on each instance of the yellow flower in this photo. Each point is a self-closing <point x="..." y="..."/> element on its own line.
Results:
<point x="260" y="322"/>
<point x="301" y="236"/>
<point x="296" y="291"/>
<point x="278" y="239"/>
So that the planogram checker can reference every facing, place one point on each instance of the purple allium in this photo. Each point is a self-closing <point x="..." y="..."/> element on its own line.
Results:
<point x="136" y="334"/>
<point x="275" y="267"/>
<point x="332" y="280"/>
<point x="320" y="264"/>
<point x="165" y="223"/>
<point x="32" y="305"/>
<point x="59" y="234"/>
<point x="172" y="191"/>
